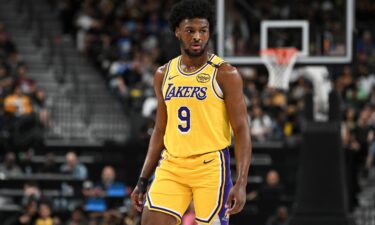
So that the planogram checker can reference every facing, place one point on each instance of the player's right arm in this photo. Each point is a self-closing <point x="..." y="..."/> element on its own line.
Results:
<point x="156" y="144"/>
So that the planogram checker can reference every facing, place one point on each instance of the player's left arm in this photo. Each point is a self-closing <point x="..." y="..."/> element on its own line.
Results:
<point x="230" y="81"/>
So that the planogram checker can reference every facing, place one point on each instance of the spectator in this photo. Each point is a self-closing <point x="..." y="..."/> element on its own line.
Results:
<point x="111" y="189"/>
<point x="21" y="120"/>
<point x="261" y="125"/>
<point x="18" y="104"/>
<point x="366" y="43"/>
<point x="28" y="215"/>
<point x="301" y="88"/>
<point x="271" y="190"/>
<point x="49" y="165"/>
<point x="116" y="80"/>
<point x="88" y="190"/>
<point x="271" y="193"/>
<point x="363" y="132"/>
<point x="9" y="166"/>
<point x="155" y="24"/>
<point x="349" y="120"/>
<point x="366" y="81"/>
<point x="279" y="125"/>
<point x="45" y="215"/>
<point x="87" y="25"/>
<point x="73" y="167"/>
<point x="280" y="218"/>
<point x="291" y="126"/>
<point x="108" y="177"/>
<point x="31" y="192"/>
<point x="77" y="217"/>
<point x="149" y="106"/>
<point x="28" y="85"/>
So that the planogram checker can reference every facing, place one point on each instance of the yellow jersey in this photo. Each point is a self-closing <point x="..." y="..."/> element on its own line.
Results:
<point x="197" y="120"/>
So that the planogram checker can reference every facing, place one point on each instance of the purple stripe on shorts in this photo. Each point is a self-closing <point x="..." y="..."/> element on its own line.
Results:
<point x="227" y="182"/>
<point x="228" y="185"/>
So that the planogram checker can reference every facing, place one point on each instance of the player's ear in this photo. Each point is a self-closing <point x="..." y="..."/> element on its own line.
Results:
<point x="177" y="32"/>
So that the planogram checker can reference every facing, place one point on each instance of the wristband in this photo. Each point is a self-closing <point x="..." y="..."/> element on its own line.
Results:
<point x="142" y="184"/>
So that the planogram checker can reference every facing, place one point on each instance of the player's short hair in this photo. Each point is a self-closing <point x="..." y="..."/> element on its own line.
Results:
<point x="189" y="9"/>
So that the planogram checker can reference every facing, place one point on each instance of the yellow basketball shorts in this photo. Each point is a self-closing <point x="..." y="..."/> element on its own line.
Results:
<point x="203" y="179"/>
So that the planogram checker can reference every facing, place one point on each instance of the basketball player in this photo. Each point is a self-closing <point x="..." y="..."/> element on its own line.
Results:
<point x="200" y="101"/>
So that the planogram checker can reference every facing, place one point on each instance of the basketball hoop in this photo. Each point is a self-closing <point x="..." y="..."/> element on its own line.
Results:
<point x="279" y="62"/>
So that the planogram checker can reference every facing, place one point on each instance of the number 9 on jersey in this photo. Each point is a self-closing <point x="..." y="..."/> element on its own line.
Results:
<point x="184" y="118"/>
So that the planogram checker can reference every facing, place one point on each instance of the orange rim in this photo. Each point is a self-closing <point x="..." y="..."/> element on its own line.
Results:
<point x="283" y="55"/>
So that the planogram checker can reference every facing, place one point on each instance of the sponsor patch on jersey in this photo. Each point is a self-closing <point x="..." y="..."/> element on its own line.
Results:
<point x="203" y="78"/>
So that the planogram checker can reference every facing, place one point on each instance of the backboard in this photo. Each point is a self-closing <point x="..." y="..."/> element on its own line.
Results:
<point x="322" y="30"/>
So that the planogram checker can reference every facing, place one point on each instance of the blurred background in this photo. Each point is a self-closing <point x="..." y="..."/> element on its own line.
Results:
<point x="78" y="106"/>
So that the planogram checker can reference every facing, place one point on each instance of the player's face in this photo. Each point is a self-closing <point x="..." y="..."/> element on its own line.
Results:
<point x="193" y="35"/>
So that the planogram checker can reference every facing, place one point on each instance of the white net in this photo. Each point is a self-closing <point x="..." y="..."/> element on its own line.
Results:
<point x="279" y="62"/>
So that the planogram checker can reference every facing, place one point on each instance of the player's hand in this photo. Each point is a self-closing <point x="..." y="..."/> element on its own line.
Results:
<point x="236" y="199"/>
<point x="138" y="199"/>
<point x="139" y="193"/>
